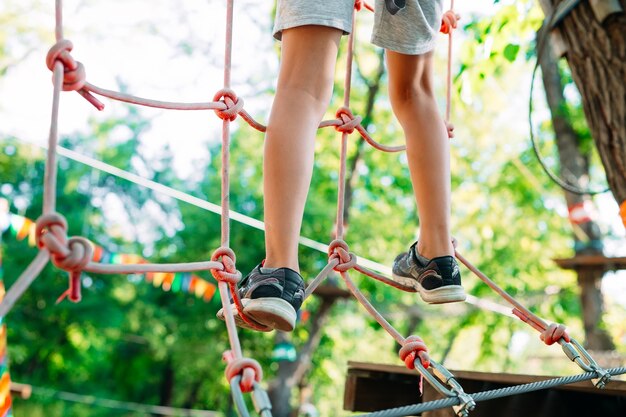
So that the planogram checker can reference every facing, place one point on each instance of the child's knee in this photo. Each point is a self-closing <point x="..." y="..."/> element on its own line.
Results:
<point x="411" y="95"/>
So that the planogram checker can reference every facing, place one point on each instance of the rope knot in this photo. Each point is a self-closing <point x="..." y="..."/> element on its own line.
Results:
<point x="71" y="255"/>
<point x="229" y="272"/>
<point x="233" y="104"/>
<point x="51" y="232"/>
<point x="348" y="120"/>
<point x="74" y="76"/>
<point x="338" y="249"/>
<point x="449" y="21"/>
<point x="249" y="369"/>
<point x="413" y="347"/>
<point x="360" y="4"/>
<point x="553" y="333"/>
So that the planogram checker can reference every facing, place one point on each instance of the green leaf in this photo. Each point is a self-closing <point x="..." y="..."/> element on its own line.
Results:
<point x="510" y="52"/>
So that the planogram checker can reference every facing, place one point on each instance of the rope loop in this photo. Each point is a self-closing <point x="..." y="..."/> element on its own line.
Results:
<point x="51" y="232"/>
<point x="233" y="104"/>
<point x="74" y="75"/>
<point x="449" y="21"/>
<point x="553" y="333"/>
<point x="338" y="249"/>
<point x="229" y="272"/>
<point x="249" y="369"/>
<point x="413" y="347"/>
<point x="349" y="121"/>
<point x="80" y="254"/>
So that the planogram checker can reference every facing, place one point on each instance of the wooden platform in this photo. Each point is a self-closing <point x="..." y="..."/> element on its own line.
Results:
<point x="593" y="262"/>
<point x="372" y="387"/>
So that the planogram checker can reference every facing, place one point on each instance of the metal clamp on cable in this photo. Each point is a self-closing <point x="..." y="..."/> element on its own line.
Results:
<point x="577" y="353"/>
<point x="261" y="401"/>
<point x="445" y="383"/>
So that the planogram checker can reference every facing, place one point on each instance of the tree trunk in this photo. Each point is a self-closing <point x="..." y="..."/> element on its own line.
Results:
<point x="594" y="37"/>
<point x="574" y="168"/>
<point x="166" y="390"/>
<point x="291" y="374"/>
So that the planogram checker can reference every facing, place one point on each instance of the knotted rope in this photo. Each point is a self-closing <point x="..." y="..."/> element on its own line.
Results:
<point x="231" y="276"/>
<point x="350" y="121"/>
<point x="338" y="250"/>
<point x="249" y="369"/>
<point x="74" y="75"/>
<point x="74" y="254"/>
<point x="553" y="333"/>
<point x="360" y="4"/>
<point x="233" y="104"/>
<point x="227" y="258"/>
<point x="412" y="348"/>
<point x="71" y="255"/>
<point x="449" y="22"/>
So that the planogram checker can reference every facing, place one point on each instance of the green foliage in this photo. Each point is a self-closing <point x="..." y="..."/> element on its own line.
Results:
<point x="129" y="341"/>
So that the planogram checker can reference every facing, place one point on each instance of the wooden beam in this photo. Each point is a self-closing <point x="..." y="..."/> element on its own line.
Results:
<point x="332" y="291"/>
<point x="373" y="387"/>
<point x="593" y="262"/>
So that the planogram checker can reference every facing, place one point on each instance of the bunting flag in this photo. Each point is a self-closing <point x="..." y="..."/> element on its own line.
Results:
<point x="22" y="227"/>
<point x="5" y="378"/>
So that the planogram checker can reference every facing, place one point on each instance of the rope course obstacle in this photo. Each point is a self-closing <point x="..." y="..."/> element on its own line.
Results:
<point x="75" y="254"/>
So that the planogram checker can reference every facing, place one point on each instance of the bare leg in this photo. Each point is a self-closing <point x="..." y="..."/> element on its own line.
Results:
<point x="428" y="151"/>
<point x="304" y="89"/>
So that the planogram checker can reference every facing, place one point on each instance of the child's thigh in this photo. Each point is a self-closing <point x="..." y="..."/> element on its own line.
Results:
<point x="331" y="13"/>
<point x="411" y="31"/>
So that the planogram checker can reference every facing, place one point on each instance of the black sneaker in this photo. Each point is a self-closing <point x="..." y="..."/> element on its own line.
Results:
<point x="270" y="299"/>
<point x="438" y="280"/>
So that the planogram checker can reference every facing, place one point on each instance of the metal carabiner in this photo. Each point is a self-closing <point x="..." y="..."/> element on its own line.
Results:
<point x="577" y="353"/>
<point x="261" y="401"/>
<point x="452" y="388"/>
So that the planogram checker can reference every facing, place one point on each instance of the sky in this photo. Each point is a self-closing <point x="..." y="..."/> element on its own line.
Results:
<point x="145" y="46"/>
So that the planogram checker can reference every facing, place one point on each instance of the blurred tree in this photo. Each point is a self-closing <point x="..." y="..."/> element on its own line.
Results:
<point x="592" y="37"/>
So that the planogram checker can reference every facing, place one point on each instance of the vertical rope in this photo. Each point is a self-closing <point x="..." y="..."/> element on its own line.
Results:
<point x="449" y="71"/>
<point x="50" y="176"/>
<point x="222" y="285"/>
<point x="58" y="12"/>
<point x="341" y="189"/>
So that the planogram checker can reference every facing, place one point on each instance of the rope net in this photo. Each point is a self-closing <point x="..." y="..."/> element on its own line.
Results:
<point x="75" y="254"/>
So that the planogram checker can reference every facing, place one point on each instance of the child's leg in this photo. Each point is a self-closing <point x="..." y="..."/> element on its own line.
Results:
<point x="413" y="102"/>
<point x="304" y="89"/>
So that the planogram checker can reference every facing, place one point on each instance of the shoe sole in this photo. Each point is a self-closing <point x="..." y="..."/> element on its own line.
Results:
<point x="441" y="295"/>
<point x="239" y="321"/>
<point x="269" y="313"/>
<point x="272" y="312"/>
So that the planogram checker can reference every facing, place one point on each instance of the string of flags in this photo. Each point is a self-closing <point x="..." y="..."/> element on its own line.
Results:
<point x="24" y="228"/>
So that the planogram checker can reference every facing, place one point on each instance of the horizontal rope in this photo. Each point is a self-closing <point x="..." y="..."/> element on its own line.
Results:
<point x="188" y="198"/>
<point x="121" y="405"/>
<point x="236" y="216"/>
<point x="489" y="395"/>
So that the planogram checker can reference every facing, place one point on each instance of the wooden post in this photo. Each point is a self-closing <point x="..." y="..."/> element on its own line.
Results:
<point x="590" y="269"/>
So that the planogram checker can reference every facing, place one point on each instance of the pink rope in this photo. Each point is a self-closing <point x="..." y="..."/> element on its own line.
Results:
<point x="548" y="333"/>
<point x="249" y="369"/>
<point x="74" y="254"/>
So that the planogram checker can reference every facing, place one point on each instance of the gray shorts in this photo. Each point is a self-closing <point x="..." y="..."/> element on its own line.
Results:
<point x="411" y="31"/>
